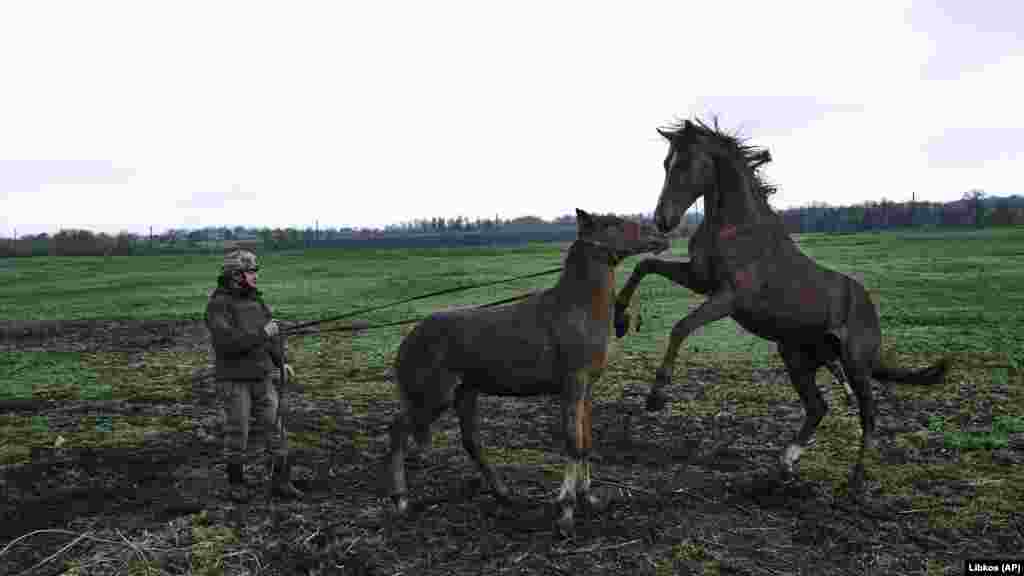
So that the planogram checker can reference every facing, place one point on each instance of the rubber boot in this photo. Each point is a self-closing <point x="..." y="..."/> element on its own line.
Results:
<point x="237" y="490"/>
<point x="281" y="481"/>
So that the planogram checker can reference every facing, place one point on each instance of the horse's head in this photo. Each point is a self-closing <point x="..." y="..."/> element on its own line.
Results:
<point x="622" y="237"/>
<point x="690" y="168"/>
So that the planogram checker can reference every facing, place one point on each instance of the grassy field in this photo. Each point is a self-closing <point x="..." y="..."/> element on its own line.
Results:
<point x="957" y="292"/>
<point x="953" y="294"/>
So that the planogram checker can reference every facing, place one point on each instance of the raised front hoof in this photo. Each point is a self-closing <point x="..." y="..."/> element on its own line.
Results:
<point x="656" y="401"/>
<point x="622" y="321"/>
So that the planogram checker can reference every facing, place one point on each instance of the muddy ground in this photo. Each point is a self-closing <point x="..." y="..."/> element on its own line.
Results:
<point x="691" y="495"/>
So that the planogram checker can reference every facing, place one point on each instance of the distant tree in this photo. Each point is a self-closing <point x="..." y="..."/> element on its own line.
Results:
<point x="1001" y="215"/>
<point x="974" y="199"/>
<point x="1017" y="216"/>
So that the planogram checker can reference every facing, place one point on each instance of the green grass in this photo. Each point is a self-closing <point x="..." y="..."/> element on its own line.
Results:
<point x="997" y="437"/>
<point x="955" y="294"/>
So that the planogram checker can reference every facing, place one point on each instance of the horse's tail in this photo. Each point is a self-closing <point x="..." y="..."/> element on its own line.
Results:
<point x="934" y="374"/>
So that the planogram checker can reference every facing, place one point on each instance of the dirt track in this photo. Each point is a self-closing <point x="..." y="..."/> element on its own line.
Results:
<point x="684" y="495"/>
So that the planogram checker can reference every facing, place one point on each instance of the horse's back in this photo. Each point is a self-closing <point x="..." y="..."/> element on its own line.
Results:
<point x="501" y="351"/>
<point x="795" y="298"/>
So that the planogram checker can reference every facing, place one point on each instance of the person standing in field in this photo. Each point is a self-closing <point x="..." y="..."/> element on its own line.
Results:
<point x="248" y="355"/>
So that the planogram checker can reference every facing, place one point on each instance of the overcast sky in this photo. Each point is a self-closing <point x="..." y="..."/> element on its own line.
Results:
<point x="121" y="115"/>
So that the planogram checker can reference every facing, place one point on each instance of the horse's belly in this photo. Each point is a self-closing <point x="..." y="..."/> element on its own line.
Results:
<point x="506" y="367"/>
<point x="766" y="327"/>
<point x="777" y="325"/>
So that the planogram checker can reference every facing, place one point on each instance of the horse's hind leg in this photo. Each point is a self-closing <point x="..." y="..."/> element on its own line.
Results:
<point x="829" y="352"/>
<point x="861" y="383"/>
<point x="415" y="419"/>
<point x="801" y="368"/>
<point x="469" y="424"/>
<point x="838" y="375"/>
<point x="400" y="429"/>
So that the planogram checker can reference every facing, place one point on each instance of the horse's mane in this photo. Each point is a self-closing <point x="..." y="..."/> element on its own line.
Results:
<point x="751" y="157"/>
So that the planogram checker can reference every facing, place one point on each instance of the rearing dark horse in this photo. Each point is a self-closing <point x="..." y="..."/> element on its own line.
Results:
<point x="752" y="271"/>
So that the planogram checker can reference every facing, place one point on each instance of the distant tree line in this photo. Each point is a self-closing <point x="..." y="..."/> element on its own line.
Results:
<point x="974" y="209"/>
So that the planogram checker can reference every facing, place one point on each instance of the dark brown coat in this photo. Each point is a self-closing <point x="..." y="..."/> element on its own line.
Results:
<point x="235" y="319"/>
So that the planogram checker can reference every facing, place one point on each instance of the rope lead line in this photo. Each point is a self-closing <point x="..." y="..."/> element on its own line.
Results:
<point x="297" y="329"/>
<point x="399" y="322"/>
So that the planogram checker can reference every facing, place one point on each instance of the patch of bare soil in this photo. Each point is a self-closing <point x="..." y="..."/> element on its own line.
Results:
<point x="683" y="495"/>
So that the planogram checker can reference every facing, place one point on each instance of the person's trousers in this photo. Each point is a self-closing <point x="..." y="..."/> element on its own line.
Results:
<point x="251" y="401"/>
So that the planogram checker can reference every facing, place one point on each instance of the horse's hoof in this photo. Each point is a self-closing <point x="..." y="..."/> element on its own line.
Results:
<point x="565" y="525"/>
<point x="787" y="477"/>
<point x="593" y="503"/>
<point x="656" y="401"/>
<point x="622" y="321"/>
<point x="502" y="495"/>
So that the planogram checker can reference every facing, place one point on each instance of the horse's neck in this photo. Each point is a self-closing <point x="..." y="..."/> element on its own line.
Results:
<point x="587" y="274"/>
<point x="734" y="201"/>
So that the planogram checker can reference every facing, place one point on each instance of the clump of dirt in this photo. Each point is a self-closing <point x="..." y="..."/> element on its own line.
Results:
<point x="681" y="494"/>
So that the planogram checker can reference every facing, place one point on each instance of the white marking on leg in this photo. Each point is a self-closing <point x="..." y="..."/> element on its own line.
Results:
<point x="790" y="456"/>
<point x="569" y="483"/>
<point x="585" y="480"/>
<point x="585" y="486"/>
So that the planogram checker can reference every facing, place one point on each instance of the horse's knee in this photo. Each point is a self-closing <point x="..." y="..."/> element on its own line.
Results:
<point x="680" y="330"/>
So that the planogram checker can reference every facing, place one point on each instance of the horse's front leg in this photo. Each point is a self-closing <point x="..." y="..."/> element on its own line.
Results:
<point x="718" y="306"/>
<point x="576" y="425"/>
<point x="679" y="272"/>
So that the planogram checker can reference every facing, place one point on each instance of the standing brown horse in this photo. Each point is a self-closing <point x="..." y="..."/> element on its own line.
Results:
<point x="553" y="343"/>
<point x="752" y="271"/>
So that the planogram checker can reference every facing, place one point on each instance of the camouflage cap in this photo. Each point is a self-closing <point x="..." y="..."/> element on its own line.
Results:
<point x="239" y="261"/>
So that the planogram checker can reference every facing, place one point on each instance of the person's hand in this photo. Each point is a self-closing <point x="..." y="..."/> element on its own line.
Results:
<point x="271" y="329"/>
<point x="288" y="371"/>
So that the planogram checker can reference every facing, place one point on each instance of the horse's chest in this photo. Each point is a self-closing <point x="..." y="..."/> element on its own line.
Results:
<point x="584" y="344"/>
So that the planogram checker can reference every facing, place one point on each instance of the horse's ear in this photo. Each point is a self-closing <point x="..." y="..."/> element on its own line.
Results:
<point x="665" y="134"/>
